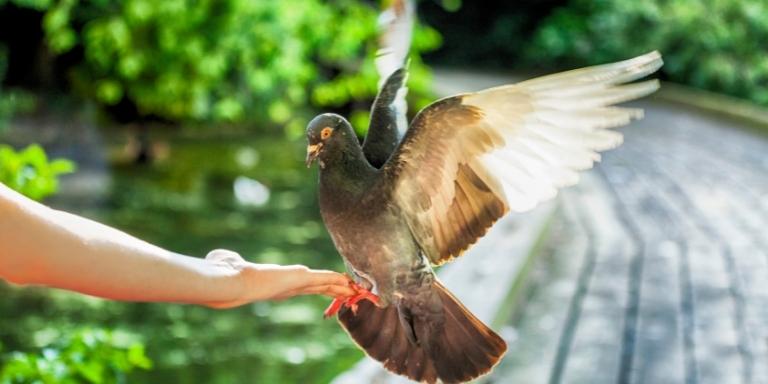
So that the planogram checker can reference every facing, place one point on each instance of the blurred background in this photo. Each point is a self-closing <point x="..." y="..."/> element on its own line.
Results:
<point x="181" y="122"/>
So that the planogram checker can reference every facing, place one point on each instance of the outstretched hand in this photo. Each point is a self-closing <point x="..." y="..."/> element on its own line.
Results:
<point x="277" y="282"/>
<point x="44" y="246"/>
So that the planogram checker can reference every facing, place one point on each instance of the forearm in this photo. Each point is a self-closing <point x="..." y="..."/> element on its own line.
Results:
<point x="39" y="245"/>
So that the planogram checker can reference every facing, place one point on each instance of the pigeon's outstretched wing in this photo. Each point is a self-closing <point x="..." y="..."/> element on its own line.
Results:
<point x="388" y="113"/>
<point x="468" y="159"/>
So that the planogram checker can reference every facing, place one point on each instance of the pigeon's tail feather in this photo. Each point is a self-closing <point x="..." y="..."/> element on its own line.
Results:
<point x="465" y="348"/>
<point x="437" y="339"/>
<point x="379" y="332"/>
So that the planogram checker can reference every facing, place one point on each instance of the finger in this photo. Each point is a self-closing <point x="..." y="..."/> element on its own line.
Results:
<point x="324" y="277"/>
<point x="338" y="290"/>
<point x="325" y="290"/>
<point x="291" y="280"/>
<point x="302" y="276"/>
<point x="328" y="290"/>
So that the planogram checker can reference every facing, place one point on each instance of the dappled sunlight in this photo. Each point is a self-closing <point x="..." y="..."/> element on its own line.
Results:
<point x="250" y="192"/>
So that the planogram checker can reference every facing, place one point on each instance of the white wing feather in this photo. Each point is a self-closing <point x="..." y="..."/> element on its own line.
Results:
<point x="564" y="124"/>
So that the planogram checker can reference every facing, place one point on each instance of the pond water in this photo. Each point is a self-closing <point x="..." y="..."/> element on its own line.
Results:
<point x="246" y="192"/>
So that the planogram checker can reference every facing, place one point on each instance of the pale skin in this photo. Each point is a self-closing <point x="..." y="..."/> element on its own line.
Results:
<point x="43" y="246"/>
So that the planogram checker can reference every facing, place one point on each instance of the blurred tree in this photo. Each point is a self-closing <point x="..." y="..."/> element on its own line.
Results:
<point x="717" y="45"/>
<point x="712" y="44"/>
<point x="226" y="61"/>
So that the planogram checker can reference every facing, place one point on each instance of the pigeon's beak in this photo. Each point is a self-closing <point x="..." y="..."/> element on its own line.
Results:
<point x="313" y="150"/>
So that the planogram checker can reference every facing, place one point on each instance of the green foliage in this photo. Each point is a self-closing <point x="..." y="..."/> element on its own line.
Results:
<point x="91" y="356"/>
<point x="231" y="60"/>
<point x="30" y="172"/>
<point x="712" y="44"/>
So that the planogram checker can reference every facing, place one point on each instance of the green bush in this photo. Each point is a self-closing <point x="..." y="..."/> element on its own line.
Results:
<point x="30" y="172"/>
<point x="711" y="44"/>
<point x="224" y="60"/>
<point x="86" y="356"/>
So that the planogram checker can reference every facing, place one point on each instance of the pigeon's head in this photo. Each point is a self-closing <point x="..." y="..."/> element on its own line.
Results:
<point x="327" y="135"/>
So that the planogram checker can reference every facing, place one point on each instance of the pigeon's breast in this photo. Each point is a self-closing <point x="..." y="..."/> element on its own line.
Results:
<point x="375" y="242"/>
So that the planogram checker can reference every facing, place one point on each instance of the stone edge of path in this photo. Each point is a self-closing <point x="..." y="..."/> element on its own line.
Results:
<point x="730" y="106"/>
<point x="477" y="279"/>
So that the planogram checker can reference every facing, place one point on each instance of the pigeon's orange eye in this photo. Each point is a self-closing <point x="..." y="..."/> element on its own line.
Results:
<point x="326" y="133"/>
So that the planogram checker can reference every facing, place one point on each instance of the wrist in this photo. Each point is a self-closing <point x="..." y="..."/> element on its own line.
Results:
<point x="225" y="276"/>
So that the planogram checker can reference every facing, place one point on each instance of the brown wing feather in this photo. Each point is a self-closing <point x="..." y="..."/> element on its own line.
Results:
<point x="468" y="159"/>
<point x="458" y="207"/>
<point x="473" y="210"/>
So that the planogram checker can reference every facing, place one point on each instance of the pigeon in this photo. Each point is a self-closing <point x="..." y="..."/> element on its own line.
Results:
<point x="464" y="162"/>
<point x="397" y="205"/>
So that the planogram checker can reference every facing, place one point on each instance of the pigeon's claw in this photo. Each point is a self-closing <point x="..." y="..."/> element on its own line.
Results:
<point x="351" y="301"/>
<point x="334" y="307"/>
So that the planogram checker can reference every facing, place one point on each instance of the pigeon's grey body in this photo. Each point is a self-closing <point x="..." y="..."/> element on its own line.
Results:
<point x="375" y="242"/>
<point x="371" y="234"/>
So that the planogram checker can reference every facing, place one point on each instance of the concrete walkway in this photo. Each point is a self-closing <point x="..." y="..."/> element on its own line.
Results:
<point x="655" y="269"/>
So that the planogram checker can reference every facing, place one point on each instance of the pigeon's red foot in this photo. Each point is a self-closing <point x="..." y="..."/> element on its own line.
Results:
<point x="351" y="301"/>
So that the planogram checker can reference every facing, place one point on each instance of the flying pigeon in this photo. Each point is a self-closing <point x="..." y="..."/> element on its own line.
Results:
<point x="396" y="207"/>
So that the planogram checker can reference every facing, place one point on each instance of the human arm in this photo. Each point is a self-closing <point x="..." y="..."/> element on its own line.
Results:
<point x="40" y="245"/>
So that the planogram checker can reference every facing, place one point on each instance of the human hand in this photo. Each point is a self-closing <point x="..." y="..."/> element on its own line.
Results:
<point x="258" y="282"/>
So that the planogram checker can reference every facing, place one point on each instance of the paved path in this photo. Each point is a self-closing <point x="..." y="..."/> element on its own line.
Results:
<point x="656" y="266"/>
